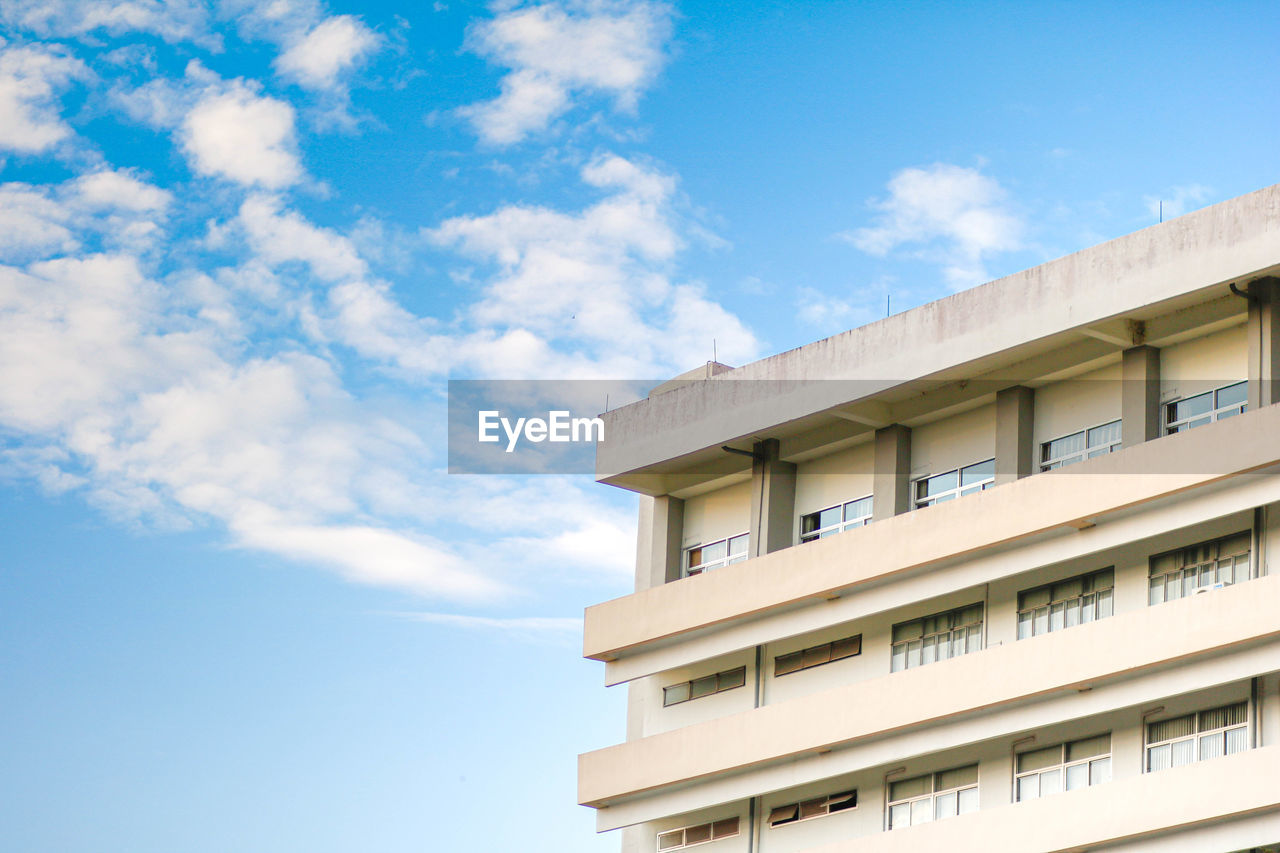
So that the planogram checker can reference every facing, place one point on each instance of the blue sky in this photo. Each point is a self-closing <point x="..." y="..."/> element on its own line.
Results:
<point x="244" y="245"/>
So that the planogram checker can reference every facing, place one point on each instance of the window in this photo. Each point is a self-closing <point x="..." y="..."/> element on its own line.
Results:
<point x="703" y="558"/>
<point x="819" y="807"/>
<point x="1064" y="767"/>
<point x="1198" y="737"/>
<point x="835" y="519"/>
<point x="954" y="484"/>
<point x="705" y="686"/>
<point x="688" y="836"/>
<point x="1191" y="412"/>
<point x="1079" y="446"/>
<point x="937" y="637"/>
<point x="934" y="796"/>
<point x="1065" y="604"/>
<point x="817" y="655"/>
<point x="1209" y="565"/>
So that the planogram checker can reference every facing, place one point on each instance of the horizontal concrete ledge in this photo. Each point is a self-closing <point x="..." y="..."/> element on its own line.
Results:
<point x="1226" y="242"/>
<point x="1147" y="806"/>
<point x="1067" y="498"/>
<point x="1121" y="646"/>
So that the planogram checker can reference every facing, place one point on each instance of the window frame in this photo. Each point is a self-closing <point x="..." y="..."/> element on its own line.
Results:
<point x="1216" y="412"/>
<point x="845" y="522"/>
<point x="711" y="833"/>
<point x="723" y="683"/>
<point x="932" y="797"/>
<point x="956" y="612"/>
<point x="1031" y="613"/>
<point x="852" y="647"/>
<point x="1197" y="736"/>
<point x="961" y="489"/>
<point x="1061" y="767"/>
<point x="1190" y="578"/>
<point x="689" y="569"/>
<point x="1087" y="451"/>
<point x="798" y="815"/>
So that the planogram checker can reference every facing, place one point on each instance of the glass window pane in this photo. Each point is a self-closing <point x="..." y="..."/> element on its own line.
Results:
<point x="958" y="777"/>
<point x="695" y="834"/>
<point x="846" y="647"/>
<point x="1159" y="757"/>
<point x="738" y="544"/>
<point x="1056" y="617"/>
<point x="939" y="483"/>
<point x="1034" y="598"/>
<point x="1211" y="746"/>
<point x="1233" y="395"/>
<point x="913" y="653"/>
<point x="908" y="630"/>
<point x="1105" y="434"/>
<point x="702" y="687"/>
<point x="1073" y="613"/>
<point x="908" y="788"/>
<point x="973" y="643"/>
<point x="1050" y="782"/>
<point x="1156" y="593"/>
<point x="733" y="678"/>
<point x="828" y="517"/>
<point x="1105" y="603"/>
<point x="1168" y="729"/>
<point x="968" y="800"/>
<point x="1039" y="759"/>
<point x="1041" y="621"/>
<point x="1089" y="747"/>
<point x="1028" y="787"/>
<point x="668" y="840"/>
<point x="784" y="664"/>
<point x="1024" y="625"/>
<point x="1184" y="752"/>
<point x="725" y="828"/>
<point x="900" y="815"/>
<point x="1191" y="406"/>
<point x="945" y="806"/>
<point x="1237" y="740"/>
<point x="922" y="811"/>
<point x="1072" y="588"/>
<point x="857" y="509"/>
<point x="714" y="551"/>
<point x="816" y="655"/>
<point x="977" y="472"/>
<point x="1059" y="447"/>
<point x="675" y="694"/>
<point x="1099" y="771"/>
<point x="899" y="661"/>
<point x="928" y="650"/>
<point x="1077" y="776"/>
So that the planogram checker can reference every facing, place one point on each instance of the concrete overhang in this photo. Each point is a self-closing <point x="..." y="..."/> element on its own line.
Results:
<point x="1154" y="286"/>
<point x="1124" y="646"/>
<point x="1063" y="500"/>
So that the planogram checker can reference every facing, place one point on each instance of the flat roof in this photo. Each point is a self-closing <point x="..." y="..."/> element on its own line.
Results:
<point x="1150" y="286"/>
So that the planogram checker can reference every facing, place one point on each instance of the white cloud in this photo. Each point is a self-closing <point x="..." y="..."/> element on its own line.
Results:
<point x="957" y="215"/>
<point x="281" y="236"/>
<point x="30" y="79"/>
<point x="559" y="50"/>
<point x="244" y="137"/>
<point x="106" y="189"/>
<point x="32" y="223"/>
<point x="335" y="45"/>
<point x="171" y="20"/>
<point x="1176" y="201"/>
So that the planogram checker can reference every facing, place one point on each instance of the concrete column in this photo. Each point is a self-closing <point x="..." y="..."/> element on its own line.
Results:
<point x="658" y="540"/>
<point x="1015" y="414"/>
<point x="1140" y="395"/>
<point x="1264" y="343"/>
<point x="773" y="499"/>
<point x="892" y="489"/>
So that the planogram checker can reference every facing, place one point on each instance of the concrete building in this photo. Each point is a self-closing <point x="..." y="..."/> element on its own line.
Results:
<point x="994" y="574"/>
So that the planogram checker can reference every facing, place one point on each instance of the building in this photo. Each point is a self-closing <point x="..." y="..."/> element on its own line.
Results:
<point x="996" y="573"/>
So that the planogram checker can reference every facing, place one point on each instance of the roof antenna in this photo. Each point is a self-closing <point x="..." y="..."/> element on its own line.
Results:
<point x="1162" y="210"/>
<point x="714" y="356"/>
<point x="886" y="305"/>
<point x="606" y="402"/>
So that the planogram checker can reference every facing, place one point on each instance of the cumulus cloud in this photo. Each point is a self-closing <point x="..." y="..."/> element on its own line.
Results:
<point x="952" y="214"/>
<point x="244" y="137"/>
<point x="562" y="50"/>
<point x="31" y="76"/>
<point x="594" y="284"/>
<point x="318" y="58"/>
<point x="1176" y="200"/>
<point x="171" y="20"/>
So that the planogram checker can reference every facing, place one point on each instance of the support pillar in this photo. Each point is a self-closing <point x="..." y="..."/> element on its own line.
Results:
<point x="892" y="488"/>
<point x="659" y="536"/>
<point x="1139" y="395"/>
<point x="773" y="499"/>
<point x="1015" y="452"/>
<point x="1264" y="343"/>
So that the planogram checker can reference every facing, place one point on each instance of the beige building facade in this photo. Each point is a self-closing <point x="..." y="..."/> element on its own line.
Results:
<point x="1001" y="572"/>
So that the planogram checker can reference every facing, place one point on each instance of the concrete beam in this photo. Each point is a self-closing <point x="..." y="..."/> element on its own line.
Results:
<point x="1015" y="452"/>
<point x="891" y="488"/>
<point x="1140" y="395"/>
